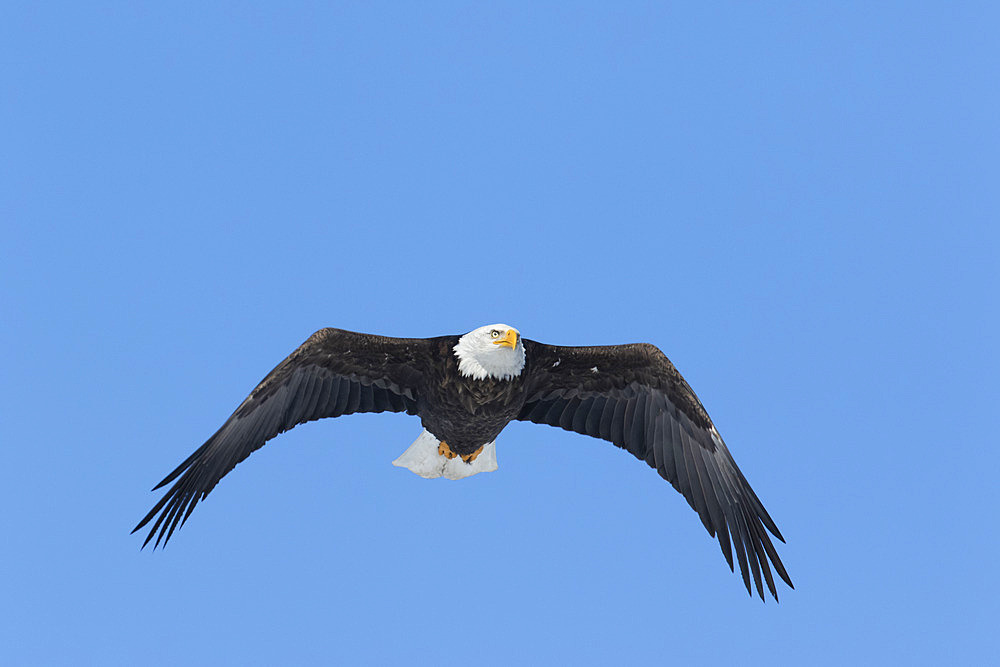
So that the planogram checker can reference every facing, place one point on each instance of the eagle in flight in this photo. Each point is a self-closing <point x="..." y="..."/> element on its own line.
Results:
<point x="466" y="389"/>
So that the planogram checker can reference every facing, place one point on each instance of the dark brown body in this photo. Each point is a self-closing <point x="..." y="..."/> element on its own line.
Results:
<point x="461" y="411"/>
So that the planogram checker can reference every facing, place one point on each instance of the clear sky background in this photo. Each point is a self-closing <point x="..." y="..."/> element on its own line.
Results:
<point x="797" y="202"/>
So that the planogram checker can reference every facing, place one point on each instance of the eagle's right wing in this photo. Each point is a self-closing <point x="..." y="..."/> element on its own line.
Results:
<point x="333" y="373"/>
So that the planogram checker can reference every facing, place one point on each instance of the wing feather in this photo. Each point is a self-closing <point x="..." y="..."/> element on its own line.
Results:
<point x="683" y="485"/>
<point x="618" y="423"/>
<point x="723" y="523"/>
<point x="632" y="396"/>
<point x="604" y="431"/>
<point x="593" y="413"/>
<point x="353" y="398"/>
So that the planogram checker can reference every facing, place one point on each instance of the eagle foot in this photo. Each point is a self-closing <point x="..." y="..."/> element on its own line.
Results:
<point x="469" y="458"/>
<point x="445" y="451"/>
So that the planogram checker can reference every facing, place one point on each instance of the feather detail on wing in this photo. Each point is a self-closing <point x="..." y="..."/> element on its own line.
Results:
<point x="632" y="396"/>
<point x="333" y="373"/>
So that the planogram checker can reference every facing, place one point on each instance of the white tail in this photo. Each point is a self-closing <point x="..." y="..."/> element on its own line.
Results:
<point x="422" y="458"/>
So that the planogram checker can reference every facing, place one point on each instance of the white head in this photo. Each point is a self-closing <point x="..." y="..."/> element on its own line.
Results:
<point x="494" y="351"/>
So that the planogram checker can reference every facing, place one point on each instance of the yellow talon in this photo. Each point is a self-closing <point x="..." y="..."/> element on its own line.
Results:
<point x="445" y="451"/>
<point x="469" y="458"/>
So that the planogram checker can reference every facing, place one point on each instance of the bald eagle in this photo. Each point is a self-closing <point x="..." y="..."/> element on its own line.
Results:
<point x="466" y="389"/>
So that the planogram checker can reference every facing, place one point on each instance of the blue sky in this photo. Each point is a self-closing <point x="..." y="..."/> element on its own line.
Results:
<point x="796" y="202"/>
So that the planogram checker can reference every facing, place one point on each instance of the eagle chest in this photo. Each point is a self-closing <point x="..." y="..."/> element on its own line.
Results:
<point x="467" y="412"/>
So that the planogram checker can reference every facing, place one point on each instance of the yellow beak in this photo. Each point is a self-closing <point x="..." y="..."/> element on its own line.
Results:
<point x="509" y="340"/>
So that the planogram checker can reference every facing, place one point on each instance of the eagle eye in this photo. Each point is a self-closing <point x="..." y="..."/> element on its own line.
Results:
<point x="495" y="333"/>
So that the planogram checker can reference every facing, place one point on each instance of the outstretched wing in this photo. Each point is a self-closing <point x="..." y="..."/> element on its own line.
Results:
<point x="333" y="373"/>
<point x="632" y="396"/>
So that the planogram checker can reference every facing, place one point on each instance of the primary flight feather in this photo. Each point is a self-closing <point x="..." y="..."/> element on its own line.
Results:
<point x="466" y="389"/>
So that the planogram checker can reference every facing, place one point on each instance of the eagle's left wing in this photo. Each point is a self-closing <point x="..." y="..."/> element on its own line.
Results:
<point x="632" y="396"/>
